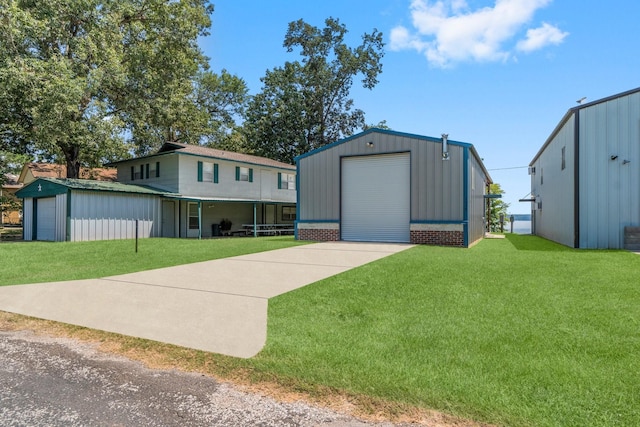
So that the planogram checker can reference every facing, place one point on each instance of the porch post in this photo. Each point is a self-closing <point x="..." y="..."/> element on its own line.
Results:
<point x="255" y="230"/>
<point x="199" y="219"/>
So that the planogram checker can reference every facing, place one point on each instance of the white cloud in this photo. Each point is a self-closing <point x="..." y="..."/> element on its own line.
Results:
<point x="446" y="31"/>
<point x="537" y="38"/>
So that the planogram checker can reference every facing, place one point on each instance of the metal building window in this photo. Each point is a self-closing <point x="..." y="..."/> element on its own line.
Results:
<point x="564" y="164"/>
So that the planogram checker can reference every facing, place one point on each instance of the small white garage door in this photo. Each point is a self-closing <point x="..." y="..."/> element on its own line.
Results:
<point x="46" y="219"/>
<point x="375" y="198"/>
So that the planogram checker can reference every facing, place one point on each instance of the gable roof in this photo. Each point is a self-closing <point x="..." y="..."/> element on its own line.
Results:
<point x="52" y="170"/>
<point x="199" y="150"/>
<point x="571" y="112"/>
<point x="401" y="134"/>
<point x="47" y="187"/>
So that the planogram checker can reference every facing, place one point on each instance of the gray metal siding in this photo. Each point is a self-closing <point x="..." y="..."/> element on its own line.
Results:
<point x="553" y="188"/>
<point x="609" y="190"/>
<point x="61" y="217"/>
<point x="477" y="205"/>
<point x="108" y="216"/>
<point x="27" y="218"/>
<point x="436" y="185"/>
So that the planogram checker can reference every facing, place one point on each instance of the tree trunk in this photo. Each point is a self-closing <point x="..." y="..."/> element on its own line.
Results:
<point x="73" y="163"/>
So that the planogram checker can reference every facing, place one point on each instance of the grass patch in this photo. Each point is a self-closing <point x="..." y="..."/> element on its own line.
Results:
<point x="34" y="262"/>
<point x="518" y="331"/>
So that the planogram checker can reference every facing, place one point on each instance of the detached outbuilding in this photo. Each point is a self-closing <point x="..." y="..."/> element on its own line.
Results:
<point x="585" y="190"/>
<point x="387" y="186"/>
<point x="60" y="209"/>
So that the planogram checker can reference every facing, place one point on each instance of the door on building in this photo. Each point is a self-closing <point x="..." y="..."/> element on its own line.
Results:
<point x="375" y="198"/>
<point x="168" y="218"/>
<point x="46" y="219"/>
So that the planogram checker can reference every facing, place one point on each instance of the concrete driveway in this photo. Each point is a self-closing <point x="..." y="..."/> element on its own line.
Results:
<point x="217" y="306"/>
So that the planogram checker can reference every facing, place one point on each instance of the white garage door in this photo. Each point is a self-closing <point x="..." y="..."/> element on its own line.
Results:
<point x="376" y="198"/>
<point x="46" y="219"/>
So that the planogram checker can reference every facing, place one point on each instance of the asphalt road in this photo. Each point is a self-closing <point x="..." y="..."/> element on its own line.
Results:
<point x="62" y="382"/>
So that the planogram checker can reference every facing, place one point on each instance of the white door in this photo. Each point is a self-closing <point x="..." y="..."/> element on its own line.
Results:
<point x="376" y="198"/>
<point x="46" y="219"/>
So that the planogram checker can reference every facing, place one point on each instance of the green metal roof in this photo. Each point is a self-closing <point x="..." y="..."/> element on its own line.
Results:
<point x="47" y="187"/>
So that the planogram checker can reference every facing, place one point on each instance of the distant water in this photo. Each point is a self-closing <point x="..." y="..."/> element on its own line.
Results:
<point x="521" y="224"/>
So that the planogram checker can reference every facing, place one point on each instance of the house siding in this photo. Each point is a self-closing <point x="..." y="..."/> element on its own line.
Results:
<point x="168" y="179"/>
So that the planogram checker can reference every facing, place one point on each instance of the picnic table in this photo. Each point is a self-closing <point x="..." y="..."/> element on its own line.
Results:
<point x="268" y="229"/>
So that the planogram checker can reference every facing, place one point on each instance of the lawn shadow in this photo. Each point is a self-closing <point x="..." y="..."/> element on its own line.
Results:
<point x="528" y="242"/>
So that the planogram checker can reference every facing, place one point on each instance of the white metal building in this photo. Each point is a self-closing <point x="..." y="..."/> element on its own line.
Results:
<point x="387" y="186"/>
<point x="585" y="180"/>
<point x="57" y="209"/>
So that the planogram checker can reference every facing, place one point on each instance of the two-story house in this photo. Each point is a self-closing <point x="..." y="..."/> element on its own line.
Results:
<point x="180" y="191"/>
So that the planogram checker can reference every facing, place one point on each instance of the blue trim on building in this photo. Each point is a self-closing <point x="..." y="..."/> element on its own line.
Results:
<point x="382" y="131"/>
<point x="315" y="221"/>
<point x="295" y="223"/>
<point x="67" y="236"/>
<point x="465" y="195"/>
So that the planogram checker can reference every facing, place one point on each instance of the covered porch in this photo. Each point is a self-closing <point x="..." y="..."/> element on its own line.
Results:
<point x="216" y="217"/>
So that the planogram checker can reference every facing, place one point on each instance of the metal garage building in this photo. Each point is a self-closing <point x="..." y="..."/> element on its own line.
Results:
<point x="387" y="186"/>
<point x="75" y="210"/>
<point x="585" y="179"/>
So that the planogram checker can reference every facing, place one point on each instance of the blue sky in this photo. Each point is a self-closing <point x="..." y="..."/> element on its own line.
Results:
<point x="497" y="74"/>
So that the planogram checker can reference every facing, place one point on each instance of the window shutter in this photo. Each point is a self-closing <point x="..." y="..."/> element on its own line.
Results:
<point x="279" y="181"/>
<point x="146" y="171"/>
<point x="199" y="171"/>
<point x="215" y="173"/>
<point x="237" y="173"/>
<point x="133" y="173"/>
<point x="250" y="174"/>
<point x="141" y="171"/>
<point x="157" y="169"/>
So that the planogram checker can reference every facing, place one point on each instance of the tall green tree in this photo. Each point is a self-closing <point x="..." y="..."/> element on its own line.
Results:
<point x="305" y="104"/>
<point x="80" y="78"/>
<point x="497" y="207"/>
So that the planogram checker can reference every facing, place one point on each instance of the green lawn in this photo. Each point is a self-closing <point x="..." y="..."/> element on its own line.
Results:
<point x="33" y="262"/>
<point x="518" y="332"/>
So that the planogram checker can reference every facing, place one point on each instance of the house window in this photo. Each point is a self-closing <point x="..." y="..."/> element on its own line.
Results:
<point x="287" y="181"/>
<point x="288" y="213"/>
<point x="208" y="172"/>
<point x="193" y="216"/>
<point x="244" y="174"/>
<point x="563" y="159"/>
<point x="541" y="176"/>
<point x="154" y="170"/>
<point x="137" y="172"/>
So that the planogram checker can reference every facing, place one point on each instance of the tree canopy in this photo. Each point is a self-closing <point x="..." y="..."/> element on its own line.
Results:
<point x="497" y="207"/>
<point x="305" y="104"/>
<point x="79" y="79"/>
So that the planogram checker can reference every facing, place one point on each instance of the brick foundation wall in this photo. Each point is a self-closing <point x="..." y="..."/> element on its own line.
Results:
<point x="436" y="237"/>
<point x="319" y="234"/>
